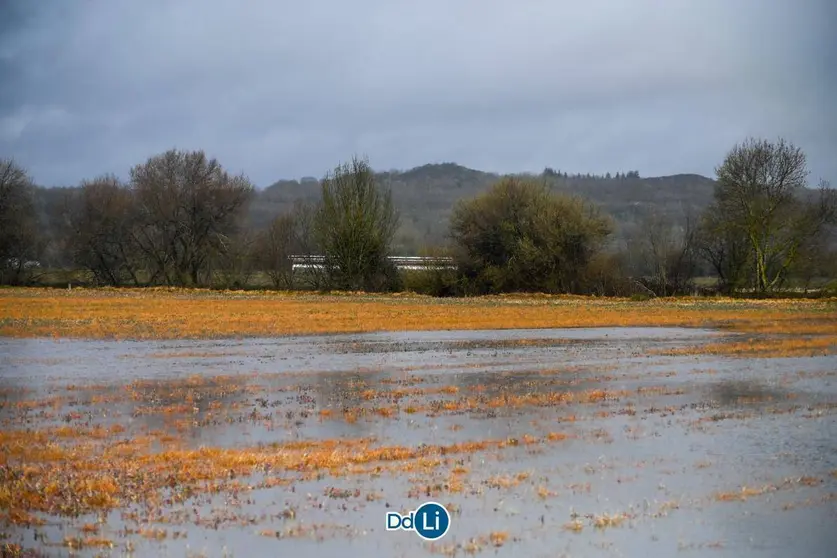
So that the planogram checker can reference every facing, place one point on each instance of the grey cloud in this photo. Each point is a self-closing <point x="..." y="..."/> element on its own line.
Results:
<point x="280" y="89"/>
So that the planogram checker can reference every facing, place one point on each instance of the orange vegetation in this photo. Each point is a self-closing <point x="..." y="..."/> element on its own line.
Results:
<point x="605" y="520"/>
<point x="46" y="477"/>
<point x="498" y="538"/>
<point x="179" y="313"/>
<point x="821" y="344"/>
<point x="743" y="494"/>
<point x="746" y="492"/>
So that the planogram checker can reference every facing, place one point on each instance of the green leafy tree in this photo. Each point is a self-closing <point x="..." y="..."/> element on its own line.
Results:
<point x="520" y="237"/>
<point x="759" y="195"/>
<point x="354" y="226"/>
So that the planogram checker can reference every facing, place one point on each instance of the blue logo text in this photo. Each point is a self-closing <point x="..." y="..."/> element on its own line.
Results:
<point x="430" y="521"/>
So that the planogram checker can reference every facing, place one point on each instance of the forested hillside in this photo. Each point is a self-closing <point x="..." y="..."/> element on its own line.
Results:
<point x="426" y="196"/>
<point x="182" y="219"/>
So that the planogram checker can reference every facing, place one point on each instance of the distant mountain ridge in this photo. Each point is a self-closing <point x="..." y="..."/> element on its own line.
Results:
<point x="425" y="195"/>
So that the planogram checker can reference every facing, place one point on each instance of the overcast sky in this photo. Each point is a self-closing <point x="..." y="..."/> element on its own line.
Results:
<point x="280" y="89"/>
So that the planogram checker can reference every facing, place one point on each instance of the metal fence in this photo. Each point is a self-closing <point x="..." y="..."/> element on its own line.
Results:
<point x="308" y="262"/>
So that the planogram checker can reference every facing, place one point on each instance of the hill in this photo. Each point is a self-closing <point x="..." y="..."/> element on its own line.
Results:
<point x="426" y="195"/>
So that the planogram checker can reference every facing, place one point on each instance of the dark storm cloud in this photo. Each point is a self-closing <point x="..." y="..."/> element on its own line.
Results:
<point x="280" y="89"/>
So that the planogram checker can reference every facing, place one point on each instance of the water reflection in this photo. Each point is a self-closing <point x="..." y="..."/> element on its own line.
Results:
<point x="688" y="430"/>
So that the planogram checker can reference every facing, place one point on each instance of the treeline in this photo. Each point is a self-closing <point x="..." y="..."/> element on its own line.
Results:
<point x="180" y="220"/>
<point x="549" y="171"/>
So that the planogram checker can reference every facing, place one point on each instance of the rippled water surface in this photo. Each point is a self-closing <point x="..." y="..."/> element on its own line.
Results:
<point x="605" y="447"/>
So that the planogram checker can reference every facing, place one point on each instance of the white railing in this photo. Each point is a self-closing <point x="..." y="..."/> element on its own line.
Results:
<point x="301" y="262"/>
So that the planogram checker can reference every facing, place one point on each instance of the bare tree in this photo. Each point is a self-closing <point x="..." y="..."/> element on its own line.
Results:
<point x="816" y="266"/>
<point x="102" y="218"/>
<point x="287" y="235"/>
<point x="305" y="242"/>
<point x="276" y="245"/>
<point x="21" y="241"/>
<point x="816" y="257"/>
<point x="758" y="193"/>
<point x="235" y="260"/>
<point x="354" y="226"/>
<point x="188" y="205"/>
<point x="725" y="248"/>
<point x="669" y="254"/>
<point x="658" y="247"/>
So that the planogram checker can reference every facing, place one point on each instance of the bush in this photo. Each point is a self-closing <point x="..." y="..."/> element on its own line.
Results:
<point x="354" y="225"/>
<point x="519" y="237"/>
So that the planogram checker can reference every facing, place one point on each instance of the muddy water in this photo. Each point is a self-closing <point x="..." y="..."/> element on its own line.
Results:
<point x="691" y="455"/>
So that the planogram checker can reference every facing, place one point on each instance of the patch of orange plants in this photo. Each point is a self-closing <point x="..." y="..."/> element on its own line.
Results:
<point x="744" y="493"/>
<point x="181" y="313"/>
<point x="44" y="477"/>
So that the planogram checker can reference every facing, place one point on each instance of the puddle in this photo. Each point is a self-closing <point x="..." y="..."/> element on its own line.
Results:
<point x="543" y="442"/>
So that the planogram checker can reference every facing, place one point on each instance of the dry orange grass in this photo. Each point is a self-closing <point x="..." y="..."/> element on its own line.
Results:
<point x="821" y="344"/>
<point x="181" y="313"/>
<point x="472" y="403"/>
<point x="606" y="520"/>
<point x="743" y="494"/>
<point x="40" y="476"/>
<point x="78" y="543"/>
<point x="498" y="538"/>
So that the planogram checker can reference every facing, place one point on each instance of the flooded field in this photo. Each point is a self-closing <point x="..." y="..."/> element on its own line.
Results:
<point x="540" y="442"/>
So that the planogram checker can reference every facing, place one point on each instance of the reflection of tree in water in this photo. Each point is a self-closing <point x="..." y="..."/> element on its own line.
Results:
<point x="188" y="396"/>
<point x="736" y="392"/>
<point x="517" y="382"/>
<point x="343" y="392"/>
<point x="12" y="393"/>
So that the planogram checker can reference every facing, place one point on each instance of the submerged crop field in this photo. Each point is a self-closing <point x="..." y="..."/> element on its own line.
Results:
<point x="782" y="327"/>
<point x="190" y="423"/>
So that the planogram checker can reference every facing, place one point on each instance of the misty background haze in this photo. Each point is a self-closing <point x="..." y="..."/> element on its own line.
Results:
<point x="285" y="90"/>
